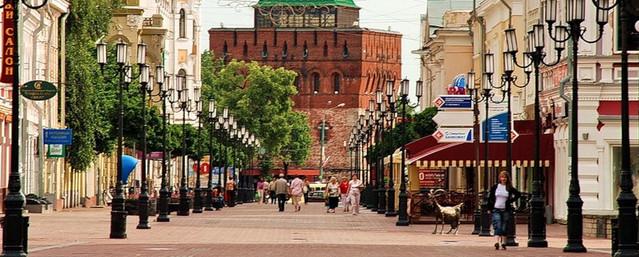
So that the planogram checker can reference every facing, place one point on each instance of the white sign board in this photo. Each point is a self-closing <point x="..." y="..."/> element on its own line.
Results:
<point x="454" y="119"/>
<point x="448" y="135"/>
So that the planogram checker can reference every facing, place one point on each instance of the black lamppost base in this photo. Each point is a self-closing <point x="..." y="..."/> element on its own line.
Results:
<point x="575" y="247"/>
<point x="163" y="206"/>
<point x="403" y="219"/>
<point x="373" y="202"/>
<point x="381" y="198"/>
<point x="184" y="203"/>
<point x="390" y="210"/>
<point x="143" y="210"/>
<point x="118" y="224"/>
<point x="485" y="217"/>
<point x="511" y="231"/>
<point x="538" y="243"/>
<point x="476" y="222"/>
<point x="197" y="200"/>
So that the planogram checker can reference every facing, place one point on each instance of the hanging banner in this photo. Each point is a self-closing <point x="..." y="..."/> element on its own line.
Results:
<point x="8" y="42"/>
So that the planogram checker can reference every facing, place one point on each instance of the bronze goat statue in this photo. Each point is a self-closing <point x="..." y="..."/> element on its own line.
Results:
<point x="447" y="214"/>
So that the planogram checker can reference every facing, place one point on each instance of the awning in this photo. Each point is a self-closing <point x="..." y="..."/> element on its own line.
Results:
<point x="296" y="172"/>
<point x="426" y="152"/>
<point x="251" y="172"/>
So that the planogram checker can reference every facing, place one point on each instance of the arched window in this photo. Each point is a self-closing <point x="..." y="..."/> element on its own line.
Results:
<point x="182" y="23"/>
<point x="297" y="83"/>
<point x="181" y="80"/>
<point x="316" y="82"/>
<point x="337" y="80"/>
<point x="305" y="51"/>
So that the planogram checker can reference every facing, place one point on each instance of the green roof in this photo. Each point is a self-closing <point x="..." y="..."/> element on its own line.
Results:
<point x="346" y="3"/>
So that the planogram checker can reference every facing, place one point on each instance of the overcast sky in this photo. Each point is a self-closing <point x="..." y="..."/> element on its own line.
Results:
<point x="400" y="15"/>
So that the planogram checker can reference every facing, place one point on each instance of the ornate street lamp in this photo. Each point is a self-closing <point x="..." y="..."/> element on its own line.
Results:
<point x="402" y="219"/>
<point x="213" y="126"/>
<point x="118" y="211"/>
<point x="163" y="204"/>
<point x="508" y="80"/>
<point x="390" y="117"/>
<point x="197" y="192"/>
<point x="14" y="240"/>
<point x="143" y="199"/>
<point x="379" y="128"/>
<point x="180" y="96"/>
<point x="373" y="181"/>
<point x="485" y="95"/>
<point x="536" y="54"/>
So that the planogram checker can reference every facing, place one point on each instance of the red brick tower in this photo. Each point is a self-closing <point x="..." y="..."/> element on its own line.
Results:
<point x="337" y="62"/>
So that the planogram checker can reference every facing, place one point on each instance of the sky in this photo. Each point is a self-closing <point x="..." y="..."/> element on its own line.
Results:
<point x="400" y="15"/>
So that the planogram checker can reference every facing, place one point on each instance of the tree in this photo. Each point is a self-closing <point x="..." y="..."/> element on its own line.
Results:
<point x="88" y="21"/>
<point x="259" y="97"/>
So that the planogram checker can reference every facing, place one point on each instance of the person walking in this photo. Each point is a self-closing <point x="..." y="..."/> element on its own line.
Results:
<point x="281" y="190"/>
<point x="230" y="191"/>
<point x="332" y="190"/>
<point x="271" y="191"/>
<point x="343" y="193"/>
<point x="307" y="189"/>
<point x="265" y="192"/>
<point x="260" y="191"/>
<point x="354" y="187"/>
<point x="297" y="191"/>
<point x="502" y="195"/>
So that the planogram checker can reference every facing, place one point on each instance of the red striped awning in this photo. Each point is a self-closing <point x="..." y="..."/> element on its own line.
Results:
<point x="426" y="152"/>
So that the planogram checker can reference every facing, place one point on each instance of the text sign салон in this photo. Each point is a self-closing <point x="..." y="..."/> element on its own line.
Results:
<point x="8" y="42"/>
<point x="432" y="178"/>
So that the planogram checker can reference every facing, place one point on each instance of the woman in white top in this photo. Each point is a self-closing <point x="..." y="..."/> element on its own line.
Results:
<point x="354" y="193"/>
<point x="501" y="197"/>
<point x="332" y="190"/>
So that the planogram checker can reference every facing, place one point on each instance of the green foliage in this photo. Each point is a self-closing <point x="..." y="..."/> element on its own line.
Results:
<point x="259" y="97"/>
<point x="88" y="21"/>
<point x="419" y="125"/>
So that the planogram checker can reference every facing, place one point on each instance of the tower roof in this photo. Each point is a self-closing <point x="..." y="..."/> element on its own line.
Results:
<point x="268" y="3"/>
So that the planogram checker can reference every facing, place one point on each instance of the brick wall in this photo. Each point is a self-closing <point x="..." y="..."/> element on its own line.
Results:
<point x="373" y="57"/>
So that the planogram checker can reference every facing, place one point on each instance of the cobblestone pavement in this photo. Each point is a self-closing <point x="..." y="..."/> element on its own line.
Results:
<point x="259" y="230"/>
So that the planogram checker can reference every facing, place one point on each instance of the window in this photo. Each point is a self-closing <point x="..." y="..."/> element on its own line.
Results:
<point x="616" y="168"/>
<point x="325" y="49"/>
<point x="245" y="49"/>
<point x="305" y="51"/>
<point x="345" y="51"/>
<point x="264" y="50"/>
<point x="225" y="49"/>
<point x="297" y="83"/>
<point x="337" y="79"/>
<point x="285" y="50"/>
<point x="316" y="82"/>
<point x="182" y="23"/>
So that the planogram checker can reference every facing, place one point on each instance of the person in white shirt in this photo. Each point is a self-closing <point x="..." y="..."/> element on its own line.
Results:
<point x="354" y="187"/>
<point x="502" y="196"/>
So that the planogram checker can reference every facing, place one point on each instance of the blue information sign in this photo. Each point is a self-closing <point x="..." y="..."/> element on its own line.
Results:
<point x="58" y="136"/>
<point x="454" y="102"/>
<point x="497" y="128"/>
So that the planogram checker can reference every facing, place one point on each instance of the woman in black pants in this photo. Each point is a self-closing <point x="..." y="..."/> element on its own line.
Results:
<point x="502" y="195"/>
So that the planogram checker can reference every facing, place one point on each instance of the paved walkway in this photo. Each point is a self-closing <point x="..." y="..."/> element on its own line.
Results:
<point x="259" y="230"/>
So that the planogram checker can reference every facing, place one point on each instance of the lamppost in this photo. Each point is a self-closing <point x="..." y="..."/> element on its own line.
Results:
<point x="575" y="15"/>
<point x="14" y="239"/>
<point x="486" y="96"/>
<point x="197" y="191"/>
<point x="180" y="96"/>
<point x="536" y="54"/>
<point x="379" y="122"/>
<point x="163" y="204"/>
<point x="373" y="180"/>
<point x="213" y="126"/>
<point x="322" y="136"/>
<point x="507" y="81"/>
<point x="143" y="199"/>
<point x="390" y="94"/>
<point x="118" y="211"/>
<point x="403" y="195"/>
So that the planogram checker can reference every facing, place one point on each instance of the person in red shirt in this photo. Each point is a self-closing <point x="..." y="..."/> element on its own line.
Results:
<point x="343" y="190"/>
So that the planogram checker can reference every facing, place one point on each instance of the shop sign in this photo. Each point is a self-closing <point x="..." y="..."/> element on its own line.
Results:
<point x="56" y="151"/>
<point x="8" y="42"/>
<point x="38" y="90"/>
<point x="432" y="178"/>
